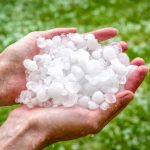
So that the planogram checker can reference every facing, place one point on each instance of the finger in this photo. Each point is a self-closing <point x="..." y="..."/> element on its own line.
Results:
<point x="57" y="31"/>
<point x="137" y="62"/>
<point x="124" y="46"/>
<point x="135" y="80"/>
<point x="123" y="99"/>
<point x="105" y="34"/>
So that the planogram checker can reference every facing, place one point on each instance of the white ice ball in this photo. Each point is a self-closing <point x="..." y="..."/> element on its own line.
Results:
<point x="124" y="59"/>
<point x="92" y="105"/>
<point x="30" y="65"/>
<point x="41" y="42"/>
<point x="41" y="95"/>
<point x="77" y="71"/>
<point x="120" y="69"/>
<point x="55" y="89"/>
<point x="104" y="106"/>
<point x="98" y="97"/>
<point x="109" y="53"/>
<point x="96" y="54"/>
<point x="56" y="40"/>
<point x="70" y="100"/>
<point x="131" y="69"/>
<point x="83" y="101"/>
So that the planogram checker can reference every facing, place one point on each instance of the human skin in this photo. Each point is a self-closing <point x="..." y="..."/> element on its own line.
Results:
<point x="50" y="125"/>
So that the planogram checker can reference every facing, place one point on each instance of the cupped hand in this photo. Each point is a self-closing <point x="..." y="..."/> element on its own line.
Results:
<point x="58" y="124"/>
<point x="51" y="125"/>
<point x="12" y="71"/>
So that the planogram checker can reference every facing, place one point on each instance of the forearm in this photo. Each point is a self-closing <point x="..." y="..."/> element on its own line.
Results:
<point x="21" y="134"/>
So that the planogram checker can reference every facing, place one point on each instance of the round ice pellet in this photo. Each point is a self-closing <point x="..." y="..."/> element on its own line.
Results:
<point x="110" y="98"/>
<point x="92" y="44"/>
<point x="120" y="69"/>
<point x="83" y="101"/>
<point x="96" y="54"/>
<point x="122" y="79"/>
<point x="30" y="65"/>
<point x="92" y="105"/>
<point x="77" y="71"/>
<point x="88" y="89"/>
<point x="109" y="53"/>
<point x="57" y="100"/>
<point x="71" y="77"/>
<point x="88" y="36"/>
<point x="55" y="72"/>
<point x="74" y="57"/>
<point x="71" y="45"/>
<point x="98" y="97"/>
<point x="104" y="106"/>
<point x="93" y="80"/>
<point x="56" y="39"/>
<point x="33" y="86"/>
<point x="124" y="59"/>
<point x="41" y="95"/>
<point x="55" y="89"/>
<point x="48" y="43"/>
<point x="41" y="42"/>
<point x="70" y="100"/>
<point x="93" y="66"/>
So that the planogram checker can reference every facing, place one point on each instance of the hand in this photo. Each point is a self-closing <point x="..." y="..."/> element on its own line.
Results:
<point x="56" y="124"/>
<point x="12" y="71"/>
<point x="50" y="125"/>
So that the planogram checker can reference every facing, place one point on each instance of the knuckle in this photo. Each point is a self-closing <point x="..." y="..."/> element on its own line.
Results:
<point x="31" y="122"/>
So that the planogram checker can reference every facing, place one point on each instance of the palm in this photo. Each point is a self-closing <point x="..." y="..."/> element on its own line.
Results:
<point x="69" y="123"/>
<point x="15" y="74"/>
<point x="12" y="59"/>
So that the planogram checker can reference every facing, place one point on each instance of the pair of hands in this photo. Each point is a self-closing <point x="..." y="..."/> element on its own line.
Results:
<point x="50" y="125"/>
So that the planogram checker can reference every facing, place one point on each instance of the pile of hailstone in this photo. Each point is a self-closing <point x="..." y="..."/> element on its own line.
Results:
<point x="75" y="69"/>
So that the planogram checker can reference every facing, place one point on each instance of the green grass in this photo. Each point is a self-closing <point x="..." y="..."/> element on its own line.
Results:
<point x="131" y="129"/>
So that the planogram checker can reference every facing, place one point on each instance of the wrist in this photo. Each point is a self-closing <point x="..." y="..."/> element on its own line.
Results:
<point x="16" y="133"/>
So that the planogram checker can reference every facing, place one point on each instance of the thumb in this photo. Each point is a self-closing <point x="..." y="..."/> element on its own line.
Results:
<point x="57" y="31"/>
<point x="123" y="100"/>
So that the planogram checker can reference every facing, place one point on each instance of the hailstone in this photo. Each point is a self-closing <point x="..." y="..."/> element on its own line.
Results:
<point x="75" y="69"/>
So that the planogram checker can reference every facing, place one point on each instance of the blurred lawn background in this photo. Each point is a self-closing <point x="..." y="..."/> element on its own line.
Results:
<point x="131" y="129"/>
